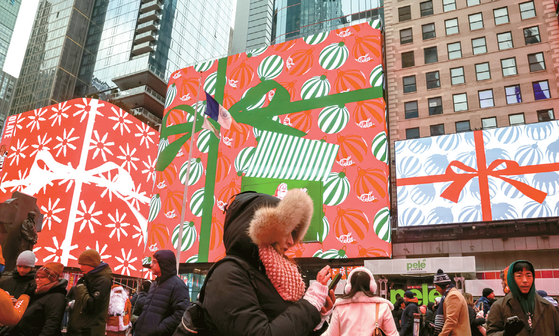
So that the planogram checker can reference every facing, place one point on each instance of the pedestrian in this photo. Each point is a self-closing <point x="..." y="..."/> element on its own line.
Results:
<point x="140" y="298"/>
<point x="397" y="312"/>
<point x="22" y="279"/>
<point x="45" y="311"/>
<point x="503" y="275"/>
<point x="359" y="311"/>
<point x="522" y="312"/>
<point x="476" y="323"/>
<point x="451" y="317"/>
<point x="429" y="319"/>
<point x="407" y="315"/>
<point x="264" y="293"/>
<point x="485" y="301"/>
<point x="166" y="300"/>
<point x="88" y="315"/>
<point x="120" y="310"/>
<point x="543" y="294"/>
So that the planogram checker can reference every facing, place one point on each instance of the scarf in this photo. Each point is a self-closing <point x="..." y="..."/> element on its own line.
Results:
<point x="527" y="301"/>
<point x="439" y="315"/>
<point x="45" y="288"/>
<point x="283" y="274"/>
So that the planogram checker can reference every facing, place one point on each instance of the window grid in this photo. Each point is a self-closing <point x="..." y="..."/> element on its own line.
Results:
<point x="546" y="115"/>
<point x="483" y="71"/>
<point x="527" y="10"/>
<point x="476" y="21"/>
<point x="454" y="50"/>
<point x="536" y="61"/>
<point x="516" y="119"/>
<point x="409" y="84"/>
<point x="457" y="76"/>
<point x="486" y="98"/>
<point x="460" y="102"/>
<point x="426" y="8"/>
<point x="479" y="46"/>
<point x="411" y="110"/>
<point x="473" y="2"/>
<point x="508" y="66"/>
<point x="488" y="123"/>
<point x="532" y="35"/>
<point x="541" y="90"/>
<point x="406" y="36"/>
<point x="433" y="80"/>
<point x="428" y="31"/>
<point x="408" y="59"/>
<point x="435" y="106"/>
<point x="451" y="26"/>
<point x="404" y="13"/>
<point x="513" y="94"/>
<point x="501" y="15"/>
<point x="412" y="133"/>
<point x="430" y="55"/>
<point x="504" y="40"/>
<point x="437" y="129"/>
<point x="449" y="5"/>
<point x="463" y="126"/>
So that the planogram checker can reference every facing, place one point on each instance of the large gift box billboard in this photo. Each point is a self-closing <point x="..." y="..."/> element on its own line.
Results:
<point x="91" y="167"/>
<point x="499" y="174"/>
<point x="309" y="114"/>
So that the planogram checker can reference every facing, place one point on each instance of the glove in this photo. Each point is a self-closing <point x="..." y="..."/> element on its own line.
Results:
<point x="512" y="328"/>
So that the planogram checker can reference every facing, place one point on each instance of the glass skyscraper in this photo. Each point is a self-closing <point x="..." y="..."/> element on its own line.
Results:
<point x="8" y="15"/>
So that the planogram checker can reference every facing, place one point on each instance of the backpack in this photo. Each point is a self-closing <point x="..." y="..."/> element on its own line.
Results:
<point x="193" y="321"/>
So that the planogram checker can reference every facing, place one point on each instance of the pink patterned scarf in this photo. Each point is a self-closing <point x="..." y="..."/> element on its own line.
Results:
<point x="283" y="274"/>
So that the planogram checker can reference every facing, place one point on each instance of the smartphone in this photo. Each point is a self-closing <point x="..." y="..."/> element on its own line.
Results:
<point x="334" y="282"/>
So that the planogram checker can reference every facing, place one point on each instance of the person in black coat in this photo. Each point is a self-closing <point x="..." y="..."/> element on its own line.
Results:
<point x="407" y="315"/>
<point x="140" y="298"/>
<point x="166" y="300"/>
<point x="265" y="293"/>
<point x="22" y="279"/>
<point x="397" y="312"/>
<point x="45" y="311"/>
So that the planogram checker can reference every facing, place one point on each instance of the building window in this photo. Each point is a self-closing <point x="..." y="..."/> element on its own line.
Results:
<point x="504" y="40"/>
<point x="541" y="90"/>
<point x="411" y="109"/>
<point x="486" y="98"/>
<point x="454" y="50"/>
<point x="482" y="71"/>
<point x="435" y="106"/>
<point x="516" y="119"/>
<point x="546" y="115"/>
<point x="407" y="59"/>
<point x="406" y="36"/>
<point x="460" y="102"/>
<point x="509" y="66"/>
<point x="433" y="80"/>
<point x="426" y="8"/>
<point x="501" y="15"/>
<point x="536" y="61"/>
<point x="428" y="31"/>
<point x="430" y="55"/>
<point x="404" y="13"/>
<point x="449" y="5"/>
<point x="479" y="46"/>
<point x="473" y="2"/>
<point x="412" y="133"/>
<point x="532" y="35"/>
<point x="487" y="123"/>
<point x="513" y="94"/>
<point x="437" y="129"/>
<point x="463" y="126"/>
<point x="409" y="84"/>
<point x="457" y="76"/>
<point x="451" y="26"/>
<point x="527" y="10"/>
<point x="476" y="21"/>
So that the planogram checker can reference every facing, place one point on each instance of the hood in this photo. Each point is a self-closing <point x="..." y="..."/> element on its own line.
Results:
<point x="167" y="262"/>
<point x="28" y="276"/>
<point x="102" y="270"/>
<point x="360" y="297"/>
<point x="99" y="268"/>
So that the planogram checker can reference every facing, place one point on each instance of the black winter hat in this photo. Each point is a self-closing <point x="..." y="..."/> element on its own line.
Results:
<point x="409" y="294"/>
<point x="487" y="291"/>
<point x="441" y="278"/>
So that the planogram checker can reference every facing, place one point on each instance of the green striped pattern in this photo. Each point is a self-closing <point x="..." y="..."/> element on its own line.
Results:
<point x="282" y="156"/>
<point x="258" y="104"/>
<point x="317" y="254"/>
<point x="315" y="87"/>
<point x="336" y="189"/>
<point x="382" y="224"/>
<point x="203" y="141"/>
<point x="317" y="38"/>
<point x="333" y="119"/>
<point x="196" y="171"/>
<point x="189" y="236"/>
<point x="197" y="202"/>
<point x="171" y="94"/>
<point x="377" y="76"/>
<point x="333" y="56"/>
<point x="154" y="207"/>
<point x="380" y="147"/>
<point x="325" y="230"/>
<point x="200" y="107"/>
<point x="376" y="24"/>
<point x="256" y="52"/>
<point x="209" y="84"/>
<point x="333" y="254"/>
<point x="162" y="144"/>
<point x="244" y="159"/>
<point x="270" y="68"/>
<point x="205" y="66"/>
<point x="257" y="132"/>
<point x="193" y="259"/>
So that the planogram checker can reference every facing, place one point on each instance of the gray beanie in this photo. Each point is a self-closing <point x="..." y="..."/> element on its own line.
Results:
<point x="26" y="259"/>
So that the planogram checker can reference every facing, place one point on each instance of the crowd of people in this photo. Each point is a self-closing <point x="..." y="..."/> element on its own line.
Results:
<point x="258" y="290"/>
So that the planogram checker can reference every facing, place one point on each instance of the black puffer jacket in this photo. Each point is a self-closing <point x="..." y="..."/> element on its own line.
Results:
<point x="44" y="313"/>
<point x="166" y="301"/>
<point x="240" y="302"/>
<point x="17" y="284"/>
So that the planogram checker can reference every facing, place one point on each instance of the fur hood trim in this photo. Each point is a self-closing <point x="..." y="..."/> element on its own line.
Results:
<point x="360" y="297"/>
<point x="293" y="213"/>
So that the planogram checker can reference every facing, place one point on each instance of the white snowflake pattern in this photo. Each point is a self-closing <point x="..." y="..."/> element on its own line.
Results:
<point x="70" y="181"/>
<point x="133" y="197"/>
<point x="51" y="211"/>
<point x="59" y="113"/>
<point x="65" y="142"/>
<point x="126" y="262"/>
<point x="110" y="187"/>
<point x="85" y="109"/>
<point x="128" y="157"/>
<point x="121" y="121"/>
<point x="145" y="132"/>
<point x="150" y="169"/>
<point x="57" y="250"/>
<point x="20" y="176"/>
<point x="17" y="125"/>
<point x="36" y="118"/>
<point x="101" y="145"/>
<point x="118" y="225"/>
<point x="101" y="251"/>
<point x="41" y="144"/>
<point x="88" y="216"/>
<point x="148" y="274"/>
<point x="139" y="234"/>
<point x="17" y="152"/>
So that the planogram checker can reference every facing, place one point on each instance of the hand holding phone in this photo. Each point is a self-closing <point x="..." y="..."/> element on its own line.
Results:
<point x="334" y="282"/>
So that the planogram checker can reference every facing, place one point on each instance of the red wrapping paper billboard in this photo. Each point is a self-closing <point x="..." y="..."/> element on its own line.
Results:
<point x="309" y="114"/>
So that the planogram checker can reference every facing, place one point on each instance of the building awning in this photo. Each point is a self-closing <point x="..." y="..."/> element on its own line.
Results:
<point x="422" y="266"/>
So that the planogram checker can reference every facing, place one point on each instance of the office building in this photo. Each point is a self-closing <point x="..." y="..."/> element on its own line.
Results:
<point x="8" y="14"/>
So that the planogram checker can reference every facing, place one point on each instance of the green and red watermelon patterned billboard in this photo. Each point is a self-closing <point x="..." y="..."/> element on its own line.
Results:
<point x="309" y="114"/>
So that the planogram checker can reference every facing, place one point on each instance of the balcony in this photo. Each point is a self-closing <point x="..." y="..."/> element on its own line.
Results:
<point x="143" y="48"/>
<point x="142" y="96"/>
<point x="147" y="26"/>
<point x="149" y="6"/>
<point x="145" y="37"/>
<point x="142" y="75"/>
<point x="152" y="15"/>
<point x="146" y="117"/>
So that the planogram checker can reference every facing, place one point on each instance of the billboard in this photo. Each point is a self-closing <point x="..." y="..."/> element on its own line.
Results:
<point x="309" y="114"/>
<point x="91" y="167"/>
<point x="499" y="174"/>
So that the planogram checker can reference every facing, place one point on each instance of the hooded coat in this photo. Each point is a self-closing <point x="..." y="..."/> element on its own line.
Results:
<point x="407" y="318"/>
<point x="18" y="284"/>
<point x="245" y="302"/>
<point x="166" y="301"/>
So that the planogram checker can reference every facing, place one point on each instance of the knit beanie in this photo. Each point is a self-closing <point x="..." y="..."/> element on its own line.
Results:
<point x="409" y="294"/>
<point x="541" y="293"/>
<point x="89" y="258"/>
<point x="441" y="278"/>
<point x="487" y="291"/>
<point x="26" y="259"/>
<point x="51" y="270"/>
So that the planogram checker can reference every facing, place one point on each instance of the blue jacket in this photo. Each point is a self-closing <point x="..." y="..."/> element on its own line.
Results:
<point x="166" y="301"/>
<point x="407" y="319"/>
<point x="486" y="304"/>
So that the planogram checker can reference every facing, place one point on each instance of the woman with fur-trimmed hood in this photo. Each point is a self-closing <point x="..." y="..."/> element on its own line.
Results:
<point x="267" y="297"/>
<point x="120" y="309"/>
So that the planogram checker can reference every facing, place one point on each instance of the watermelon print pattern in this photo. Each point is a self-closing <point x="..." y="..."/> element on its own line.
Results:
<point x="154" y="207"/>
<point x="315" y="87"/>
<point x="333" y="56"/>
<point x="316" y="39"/>
<point x="171" y="94"/>
<point x="333" y="119"/>
<point x="203" y="67"/>
<point x="336" y="189"/>
<point x="196" y="171"/>
<point x="377" y="76"/>
<point x="380" y="147"/>
<point x="188" y="238"/>
<point x="270" y="68"/>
